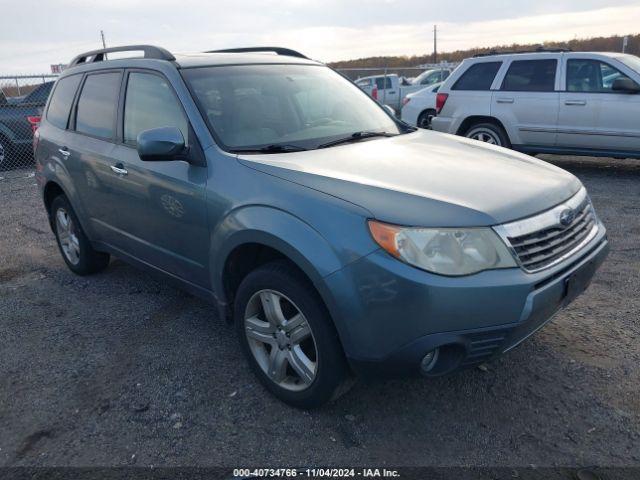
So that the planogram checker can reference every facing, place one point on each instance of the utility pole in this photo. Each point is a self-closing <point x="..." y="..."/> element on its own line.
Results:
<point x="625" y="43"/>
<point x="435" y="44"/>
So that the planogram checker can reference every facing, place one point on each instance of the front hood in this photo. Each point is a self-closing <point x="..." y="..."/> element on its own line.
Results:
<point x="427" y="178"/>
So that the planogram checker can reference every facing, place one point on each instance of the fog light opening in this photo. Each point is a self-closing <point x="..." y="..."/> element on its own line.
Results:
<point x="429" y="360"/>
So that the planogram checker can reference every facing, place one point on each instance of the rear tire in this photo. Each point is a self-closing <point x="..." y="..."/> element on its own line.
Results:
<point x="5" y="153"/>
<point x="424" y="120"/>
<point x="74" y="245"/>
<point x="288" y="336"/>
<point x="489" y="133"/>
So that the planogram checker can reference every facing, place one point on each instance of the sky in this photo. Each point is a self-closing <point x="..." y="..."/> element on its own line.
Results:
<point x="36" y="34"/>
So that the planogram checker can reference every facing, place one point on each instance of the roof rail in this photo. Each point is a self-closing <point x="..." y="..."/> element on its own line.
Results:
<point x="278" y="50"/>
<point x="512" y="52"/>
<point x="100" y="55"/>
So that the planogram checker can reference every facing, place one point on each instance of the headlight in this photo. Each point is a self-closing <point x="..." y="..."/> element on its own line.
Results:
<point x="446" y="251"/>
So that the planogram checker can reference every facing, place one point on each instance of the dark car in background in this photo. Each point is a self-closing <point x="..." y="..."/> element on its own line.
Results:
<point x="18" y="120"/>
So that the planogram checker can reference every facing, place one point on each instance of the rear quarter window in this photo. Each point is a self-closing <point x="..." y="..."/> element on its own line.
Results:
<point x="478" y="76"/>
<point x="60" y="105"/>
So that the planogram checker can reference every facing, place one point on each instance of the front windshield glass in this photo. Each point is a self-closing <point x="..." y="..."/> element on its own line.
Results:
<point x="253" y="106"/>
<point x="631" y="61"/>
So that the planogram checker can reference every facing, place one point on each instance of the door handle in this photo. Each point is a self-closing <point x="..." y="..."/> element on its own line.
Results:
<point x="119" y="169"/>
<point x="64" y="151"/>
<point x="505" y="100"/>
<point x="392" y="93"/>
<point x="575" y="102"/>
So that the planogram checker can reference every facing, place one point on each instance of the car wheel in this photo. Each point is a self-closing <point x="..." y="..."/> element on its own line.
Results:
<point x="74" y="245"/>
<point x="424" y="120"/>
<point x="489" y="133"/>
<point x="288" y="336"/>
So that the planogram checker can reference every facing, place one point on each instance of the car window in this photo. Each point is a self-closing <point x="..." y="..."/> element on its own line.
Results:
<point x="250" y="106"/>
<point x="531" y="76"/>
<point x="97" y="105"/>
<point x="151" y="103"/>
<point x="380" y="83"/>
<point x="478" y="76"/>
<point x="364" y="83"/>
<point x="591" y="76"/>
<point x="60" y="105"/>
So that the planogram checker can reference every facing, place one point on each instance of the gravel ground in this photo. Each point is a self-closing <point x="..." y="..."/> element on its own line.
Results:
<point x="119" y="369"/>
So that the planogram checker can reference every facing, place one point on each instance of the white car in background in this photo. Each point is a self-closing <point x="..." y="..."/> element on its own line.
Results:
<point x="420" y="107"/>
<point x="546" y="101"/>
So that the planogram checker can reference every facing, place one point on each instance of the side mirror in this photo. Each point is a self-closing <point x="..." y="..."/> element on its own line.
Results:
<point x="625" y="85"/>
<point x="161" y="145"/>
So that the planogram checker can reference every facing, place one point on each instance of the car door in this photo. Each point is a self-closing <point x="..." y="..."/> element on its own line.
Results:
<point x="388" y="93"/>
<point x="161" y="211"/>
<point x="592" y="114"/>
<point x="527" y="101"/>
<point x="88" y="149"/>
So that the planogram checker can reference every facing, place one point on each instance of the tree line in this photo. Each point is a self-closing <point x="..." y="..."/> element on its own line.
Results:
<point x="597" y="44"/>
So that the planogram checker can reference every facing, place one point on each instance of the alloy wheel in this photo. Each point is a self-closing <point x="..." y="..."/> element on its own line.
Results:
<point x="281" y="340"/>
<point x="484" y="135"/>
<point x="67" y="236"/>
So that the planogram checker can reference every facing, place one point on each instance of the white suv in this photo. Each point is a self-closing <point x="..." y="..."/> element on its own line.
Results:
<point x="546" y="102"/>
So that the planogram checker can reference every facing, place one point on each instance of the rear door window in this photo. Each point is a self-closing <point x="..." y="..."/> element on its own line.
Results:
<point x="60" y="105"/>
<point x="478" y="76"/>
<point x="531" y="76"/>
<point x="151" y="103"/>
<point x="97" y="105"/>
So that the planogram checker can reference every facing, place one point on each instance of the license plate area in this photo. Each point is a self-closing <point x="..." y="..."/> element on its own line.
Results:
<point x="578" y="281"/>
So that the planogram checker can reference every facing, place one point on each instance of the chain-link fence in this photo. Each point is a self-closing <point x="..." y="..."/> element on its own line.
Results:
<point x="390" y="85"/>
<point x="22" y="98"/>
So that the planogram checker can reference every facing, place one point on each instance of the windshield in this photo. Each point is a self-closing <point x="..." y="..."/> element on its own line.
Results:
<point x="631" y="61"/>
<point x="253" y="106"/>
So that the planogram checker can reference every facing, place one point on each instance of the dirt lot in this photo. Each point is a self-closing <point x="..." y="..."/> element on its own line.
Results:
<point x="119" y="369"/>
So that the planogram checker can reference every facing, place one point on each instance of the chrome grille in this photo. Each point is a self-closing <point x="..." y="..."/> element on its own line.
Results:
<point x="547" y="239"/>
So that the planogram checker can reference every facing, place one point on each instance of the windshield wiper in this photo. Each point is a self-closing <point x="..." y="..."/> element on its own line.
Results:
<point x="275" y="148"/>
<point x="354" y="137"/>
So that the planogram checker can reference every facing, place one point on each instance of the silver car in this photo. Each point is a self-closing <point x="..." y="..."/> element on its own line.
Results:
<point x="546" y="102"/>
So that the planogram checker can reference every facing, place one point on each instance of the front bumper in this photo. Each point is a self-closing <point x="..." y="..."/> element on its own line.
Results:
<point x="389" y="315"/>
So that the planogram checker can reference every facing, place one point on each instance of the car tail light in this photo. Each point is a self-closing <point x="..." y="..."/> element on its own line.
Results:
<point x="36" y="139"/>
<point x="441" y="99"/>
<point x="374" y="93"/>
<point x="405" y="100"/>
<point x="34" y="121"/>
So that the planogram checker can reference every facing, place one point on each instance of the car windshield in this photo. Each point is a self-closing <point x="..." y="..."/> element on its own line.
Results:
<point x="249" y="107"/>
<point x="631" y="61"/>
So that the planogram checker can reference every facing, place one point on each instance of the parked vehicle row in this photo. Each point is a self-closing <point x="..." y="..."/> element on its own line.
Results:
<point x="338" y="239"/>
<point x="392" y="89"/>
<point x="546" y="102"/>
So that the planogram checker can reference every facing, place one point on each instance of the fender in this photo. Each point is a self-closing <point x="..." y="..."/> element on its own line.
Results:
<point x="54" y="171"/>
<point x="276" y="229"/>
<point x="282" y="231"/>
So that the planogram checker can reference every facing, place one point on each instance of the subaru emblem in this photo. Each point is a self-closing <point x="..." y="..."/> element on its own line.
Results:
<point x="566" y="217"/>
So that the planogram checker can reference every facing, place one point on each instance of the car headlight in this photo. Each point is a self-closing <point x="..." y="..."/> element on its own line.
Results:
<point x="445" y="251"/>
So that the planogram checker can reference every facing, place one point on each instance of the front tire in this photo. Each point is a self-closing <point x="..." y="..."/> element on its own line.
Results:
<point x="74" y="245"/>
<point x="288" y="337"/>
<point x="489" y="133"/>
